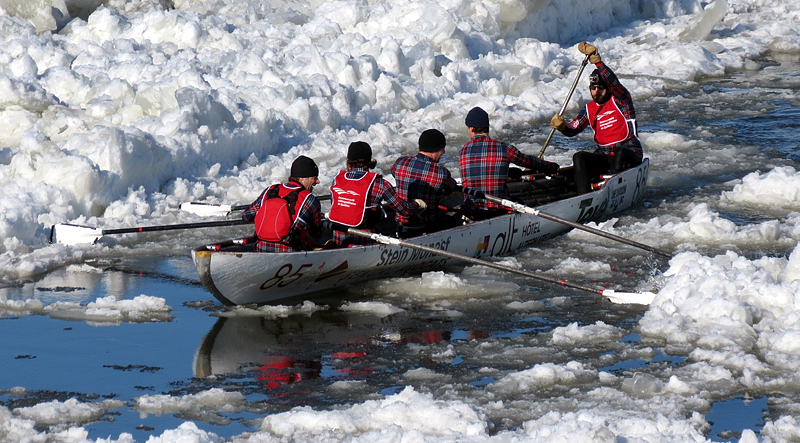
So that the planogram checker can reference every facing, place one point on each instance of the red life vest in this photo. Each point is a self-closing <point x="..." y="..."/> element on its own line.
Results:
<point x="278" y="211"/>
<point x="350" y="198"/>
<point x="608" y="123"/>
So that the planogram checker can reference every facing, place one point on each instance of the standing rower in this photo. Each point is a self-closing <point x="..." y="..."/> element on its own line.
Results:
<point x="612" y="117"/>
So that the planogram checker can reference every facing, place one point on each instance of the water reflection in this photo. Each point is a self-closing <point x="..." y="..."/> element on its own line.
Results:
<point x="77" y="284"/>
<point x="331" y="345"/>
<point x="282" y="351"/>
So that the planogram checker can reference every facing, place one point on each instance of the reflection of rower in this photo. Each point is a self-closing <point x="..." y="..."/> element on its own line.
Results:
<point x="282" y="370"/>
<point x="245" y="344"/>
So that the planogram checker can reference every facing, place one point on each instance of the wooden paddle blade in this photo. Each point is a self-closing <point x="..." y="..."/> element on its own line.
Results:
<point x="632" y="298"/>
<point x="67" y="234"/>
<point x="206" y="209"/>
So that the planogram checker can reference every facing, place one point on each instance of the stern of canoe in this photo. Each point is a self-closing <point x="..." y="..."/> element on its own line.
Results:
<point x="202" y="260"/>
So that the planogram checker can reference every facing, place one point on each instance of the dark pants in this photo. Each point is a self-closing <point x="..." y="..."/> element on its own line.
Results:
<point x="589" y="166"/>
<point x="443" y="222"/>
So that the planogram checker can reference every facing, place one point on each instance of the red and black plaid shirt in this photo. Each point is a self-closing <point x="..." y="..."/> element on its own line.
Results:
<point x="309" y="219"/>
<point x="624" y="102"/>
<point x="419" y="177"/>
<point x="484" y="167"/>
<point x="380" y="191"/>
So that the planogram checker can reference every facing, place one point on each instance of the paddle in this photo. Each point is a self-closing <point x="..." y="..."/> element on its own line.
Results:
<point x="564" y="107"/>
<point x="640" y="298"/>
<point x="211" y="209"/>
<point x="69" y="234"/>
<point x="532" y="211"/>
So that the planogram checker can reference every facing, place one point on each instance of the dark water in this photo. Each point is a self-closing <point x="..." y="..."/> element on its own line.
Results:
<point x="747" y="122"/>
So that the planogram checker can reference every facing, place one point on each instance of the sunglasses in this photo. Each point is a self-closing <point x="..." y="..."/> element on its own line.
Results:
<point x="598" y="87"/>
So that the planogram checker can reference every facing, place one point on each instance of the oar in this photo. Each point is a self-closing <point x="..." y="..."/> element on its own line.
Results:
<point x="532" y="211"/>
<point x="211" y="209"/>
<point x="564" y="107"/>
<point x="640" y="298"/>
<point x="69" y="234"/>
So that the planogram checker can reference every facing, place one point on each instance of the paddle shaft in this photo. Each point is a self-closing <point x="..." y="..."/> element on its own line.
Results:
<point x="212" y="209"/>
<point x="397" y="242"/>
<point x="564" y="106"/>
<point x="210" y="224"/>
<point x="243" y="207"/>
<point x="532" y="211"/>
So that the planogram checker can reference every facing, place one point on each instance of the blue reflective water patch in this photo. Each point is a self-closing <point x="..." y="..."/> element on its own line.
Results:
<point x="482" y="383"/>
<point x="391" y="390"/>
<point x="619" y="367"/>
<point x="728" y="418"/>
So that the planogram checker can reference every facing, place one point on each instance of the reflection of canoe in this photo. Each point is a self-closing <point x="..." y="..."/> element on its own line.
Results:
<point x="282" y="350"/>
<point x="236" y="276"/>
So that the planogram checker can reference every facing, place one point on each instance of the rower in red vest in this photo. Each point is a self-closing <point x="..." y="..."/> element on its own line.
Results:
<point x="613" y="119"/>
<point x="288" y="215"/>
<point x="357" y="194"/>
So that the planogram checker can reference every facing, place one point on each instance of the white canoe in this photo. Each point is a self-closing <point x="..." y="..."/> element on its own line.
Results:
<point x="236" y="276"/>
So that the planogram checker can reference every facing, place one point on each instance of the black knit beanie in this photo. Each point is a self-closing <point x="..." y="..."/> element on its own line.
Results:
<point x="304" y="167"/>
<point x="431" y="140"/>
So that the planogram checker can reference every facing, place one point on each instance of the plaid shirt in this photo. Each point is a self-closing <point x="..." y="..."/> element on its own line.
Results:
<point x="308" y="220"/>
<point x="624" y="102"/>
<point x="484" y="167"/>
<point x="380" y="191"/>
<point x="419" y="177"/>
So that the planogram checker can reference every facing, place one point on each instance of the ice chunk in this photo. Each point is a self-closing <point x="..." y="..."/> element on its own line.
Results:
<point x="641" y="385"/>
<point x="44" y="15"/>
<point x="699" y="28"/>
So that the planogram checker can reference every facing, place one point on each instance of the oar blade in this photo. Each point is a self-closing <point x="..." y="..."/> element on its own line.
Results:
<point x="67" y="234"/>
<point x="206" y="209"/>
<point x="629" y="298"/>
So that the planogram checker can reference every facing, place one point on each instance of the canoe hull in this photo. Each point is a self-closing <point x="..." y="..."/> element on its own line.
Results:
<point x="237" y="278"/>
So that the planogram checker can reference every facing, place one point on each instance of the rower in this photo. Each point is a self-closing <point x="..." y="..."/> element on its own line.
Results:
<point x="422" y="177"/>
<point x="613" y="119"/>
<point x="287" y="215"/>
<point x="357" y="195"/>
<point x="484" y="164"/>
